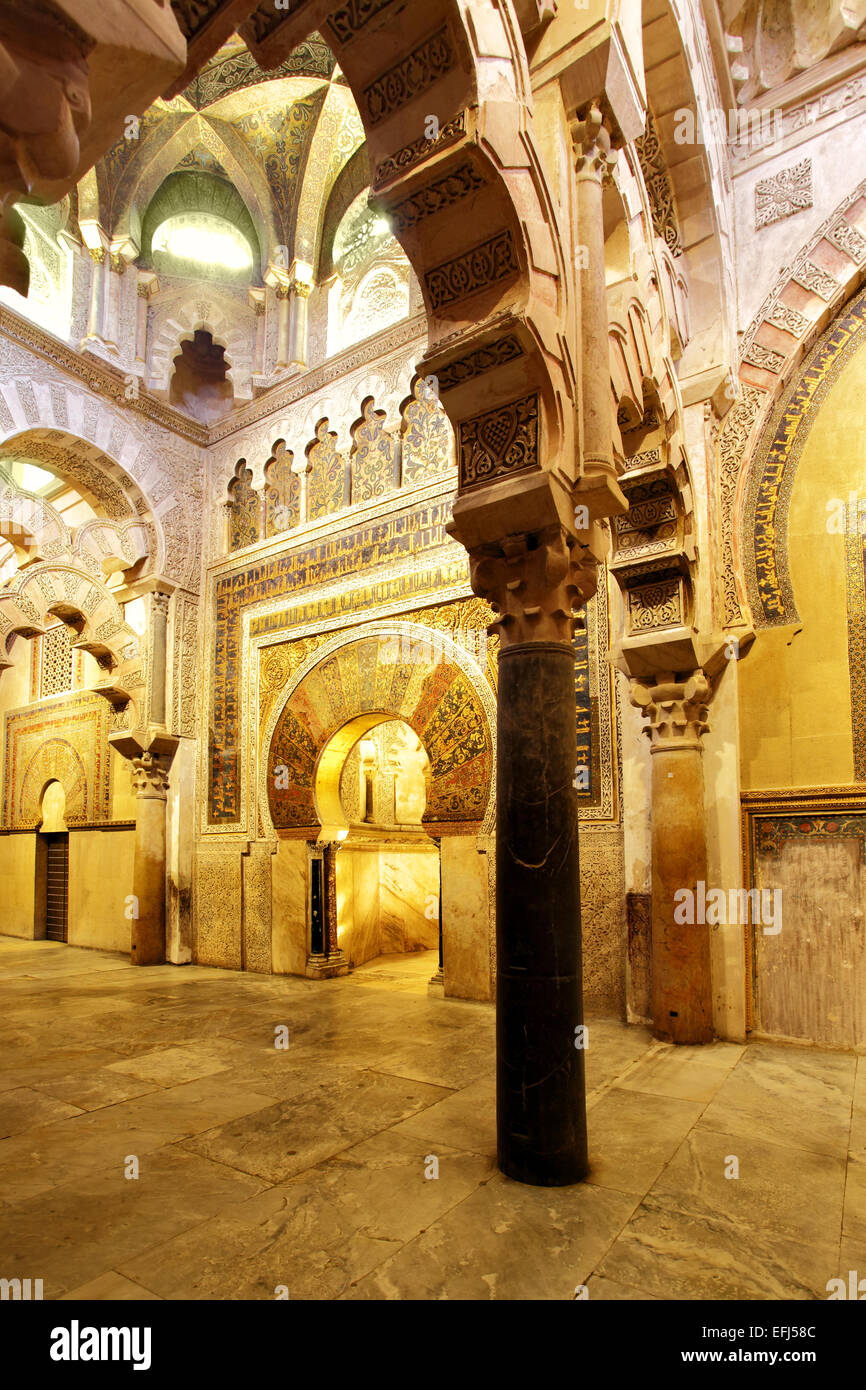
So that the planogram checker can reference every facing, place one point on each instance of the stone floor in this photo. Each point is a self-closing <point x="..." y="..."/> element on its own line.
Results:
<point x="304" y="1169"/>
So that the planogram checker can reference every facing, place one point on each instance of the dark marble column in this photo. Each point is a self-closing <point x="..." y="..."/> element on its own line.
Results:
<point x="325" y="958"/>
<point x="536" y="582"/>
<point x="541" y="1089"/>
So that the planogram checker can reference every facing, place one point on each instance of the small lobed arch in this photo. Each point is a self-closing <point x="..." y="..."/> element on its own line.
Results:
<point x="190" y="312"/>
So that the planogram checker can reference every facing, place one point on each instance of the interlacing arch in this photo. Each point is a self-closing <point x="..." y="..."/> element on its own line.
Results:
<point x="47" y="591"/>
<point x="308" y="479"/>
<point x="62" y="571"/>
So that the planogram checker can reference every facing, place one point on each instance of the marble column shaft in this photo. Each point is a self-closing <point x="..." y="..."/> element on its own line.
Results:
<point x="681" y="979"/>
<point x="541" y="1088"/>
<point x="96" y="319"/>
<point x="298" y="305"/>
<point x="283" y="294"/>
<point x="536" y="581"/>
<point x="593" y="165"/>
<point x="150" y="781"/>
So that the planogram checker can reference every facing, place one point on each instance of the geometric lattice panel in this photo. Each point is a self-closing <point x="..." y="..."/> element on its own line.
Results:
<point x="57" y="662"/>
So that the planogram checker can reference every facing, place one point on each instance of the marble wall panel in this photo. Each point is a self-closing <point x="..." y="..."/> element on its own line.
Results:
<point x="219" y="898"/>
<point x="466" y="921"/>
<point x="257" y="908"/>
<point x="18" y="876"/>
<point x="358" y="904"/>
<point x="289" y="887"/>
<point x="101" y="866"/>
<point x="408" y="898"/>
<point x="811" y="971"/>
<point x="603" y="916"/>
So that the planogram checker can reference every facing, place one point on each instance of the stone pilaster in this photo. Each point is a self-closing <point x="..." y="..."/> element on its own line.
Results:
<point x="300" y="294"/>
<point x="150" y="753"/>
<point x="593" y="166"/>
<point x="146" y="288"/>
<point x="98" y="296"/>
<point x="676" y="708"/>
<point x="156" y="593"/>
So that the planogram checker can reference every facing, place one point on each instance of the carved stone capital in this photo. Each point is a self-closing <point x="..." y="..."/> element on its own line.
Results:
<point x="150" y="777"/>
<point x="592" y="145"/>
<point x="676" y="710"/>
<point x="151" y="752"/>
<point x="160" y="601"/>
<point x="536" y="582"/>
<point x="301" y="288"/>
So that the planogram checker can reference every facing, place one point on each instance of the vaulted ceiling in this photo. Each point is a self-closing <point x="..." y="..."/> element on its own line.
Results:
<point x="281" y="138"/>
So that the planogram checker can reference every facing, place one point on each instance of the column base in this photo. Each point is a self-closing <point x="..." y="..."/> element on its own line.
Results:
<point x="326" y="967"/>
<point x="436" y="985"/>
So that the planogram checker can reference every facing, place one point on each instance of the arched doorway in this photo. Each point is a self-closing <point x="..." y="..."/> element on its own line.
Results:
<point x="431" y="687"/>
<point x="371" y="794"/>
<point x="52" y="866"/>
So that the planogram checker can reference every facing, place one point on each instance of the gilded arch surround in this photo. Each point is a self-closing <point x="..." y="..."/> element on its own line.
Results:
<point x="774" y="462"/>
<point x="439" y="689"/>
<point x="823" y="276"/>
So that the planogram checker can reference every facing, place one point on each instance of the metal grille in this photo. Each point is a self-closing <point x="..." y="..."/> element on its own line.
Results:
<point x="57" y="887"/>
<point x="57" y="659"/>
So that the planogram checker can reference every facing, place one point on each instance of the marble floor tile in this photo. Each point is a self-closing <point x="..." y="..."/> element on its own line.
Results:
<point x="91" y="1090"/>
<point x="23" y="1107"/>
<point x="170" y="1065"/>
<point x="851" y="1268"/>
<point x="672" y="1255"/>
<point x="50" y="1156"/>
<point x="857" y="1137"/>
<point x="505" y="1241"/>
<point x="454" y="1063"/>
<point x="600" y="1290"/>
<point x="790" y="1192"/>
<point x="465" y="1119"/>
<point x="287" y="1138"/>
<point x="319" y="1231"/>
<point x="632" y="1136"/>
<point x="684" y="1073"/>
<point x="112" y="1287"/>
<point x="854" y="1218"/>
<point x="178" y="1111"/>
<point x="78" y="1231"/>
<point x="307" y="1169"/>
<point x="613" y="1049"/>
<point x="787" y="1095"/>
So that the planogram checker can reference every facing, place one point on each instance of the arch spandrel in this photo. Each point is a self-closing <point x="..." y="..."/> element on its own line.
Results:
<point x="403" y="674"/>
